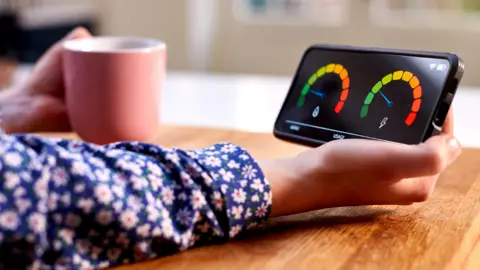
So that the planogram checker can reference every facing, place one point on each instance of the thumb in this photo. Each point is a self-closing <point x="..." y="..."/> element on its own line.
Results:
<point x="78" y="32"/>
<point x="429" y="158"/>
<point x="46" y="76"/>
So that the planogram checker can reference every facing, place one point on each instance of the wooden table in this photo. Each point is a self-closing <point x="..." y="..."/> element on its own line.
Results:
<point x="443" y="233"/>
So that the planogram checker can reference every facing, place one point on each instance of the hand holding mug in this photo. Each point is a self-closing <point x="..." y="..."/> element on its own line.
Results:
<point x="38" y="105"/>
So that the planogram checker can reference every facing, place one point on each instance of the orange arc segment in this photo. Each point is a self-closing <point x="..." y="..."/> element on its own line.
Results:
<point x="344" y="95"/>
<point x="338" y="68"/>
<point x="346" y="83"/>
<point x="416" y="105"/>
<point x="414" y="82"/>
<point x="407" y="76"/>
<point x="417" y="92"/>
<point x="343" y="74"/>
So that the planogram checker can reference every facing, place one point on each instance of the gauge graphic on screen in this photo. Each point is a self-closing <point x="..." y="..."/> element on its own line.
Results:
<point x="317" y="87"/>
<point x="380" y="90"/>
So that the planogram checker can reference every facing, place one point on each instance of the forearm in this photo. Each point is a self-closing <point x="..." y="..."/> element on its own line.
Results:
<point x="294" y="191"/>
<point x="102" y="206"/>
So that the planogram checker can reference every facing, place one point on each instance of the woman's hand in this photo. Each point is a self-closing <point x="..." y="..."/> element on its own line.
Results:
<point x="38" y="105"/>
<point x="360" y="172"/>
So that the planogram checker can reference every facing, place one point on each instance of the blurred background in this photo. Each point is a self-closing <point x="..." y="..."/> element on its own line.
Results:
<point x="264" y="37"/>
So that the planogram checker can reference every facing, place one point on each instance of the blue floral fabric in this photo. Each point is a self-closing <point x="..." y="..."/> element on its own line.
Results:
<point x="74" y="205"/>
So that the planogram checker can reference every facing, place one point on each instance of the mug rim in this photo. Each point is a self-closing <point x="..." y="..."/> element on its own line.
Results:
<point x="87" y="45"/>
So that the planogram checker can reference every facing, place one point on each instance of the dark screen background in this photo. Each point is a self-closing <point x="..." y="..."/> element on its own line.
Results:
<point x="365" y="70"/>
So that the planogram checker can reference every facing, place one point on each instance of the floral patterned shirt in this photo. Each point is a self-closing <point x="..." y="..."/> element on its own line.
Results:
<point x="74" y="205"/>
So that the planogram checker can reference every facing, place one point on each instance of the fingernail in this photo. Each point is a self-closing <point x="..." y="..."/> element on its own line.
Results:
<point x="71" y="34"/>
<point x="454" y="148"/>
<point x="74" y="33"/>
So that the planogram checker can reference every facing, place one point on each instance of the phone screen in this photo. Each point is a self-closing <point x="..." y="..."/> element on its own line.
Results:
<point x="373" y="95"/>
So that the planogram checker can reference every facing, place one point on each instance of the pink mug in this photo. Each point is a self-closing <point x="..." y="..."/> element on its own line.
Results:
<point x="113" y="87"/>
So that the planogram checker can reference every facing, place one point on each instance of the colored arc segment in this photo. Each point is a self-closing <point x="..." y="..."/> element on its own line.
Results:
<point x="400" y="75"/>
<point x="333" y="68"/>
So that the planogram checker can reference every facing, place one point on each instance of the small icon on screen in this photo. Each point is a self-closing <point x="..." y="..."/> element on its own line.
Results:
<point x="433" y="66"/>
<point x="441" y="67"/>
<point x="383" y="123"/>
<point x="316" y="111"/>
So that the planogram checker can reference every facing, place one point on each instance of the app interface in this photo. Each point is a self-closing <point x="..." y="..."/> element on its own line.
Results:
<point x="339" y="94"/>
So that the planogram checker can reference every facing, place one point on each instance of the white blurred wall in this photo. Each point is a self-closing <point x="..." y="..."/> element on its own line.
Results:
<point x="162" y="19"/>
<point x="269" y="49"/>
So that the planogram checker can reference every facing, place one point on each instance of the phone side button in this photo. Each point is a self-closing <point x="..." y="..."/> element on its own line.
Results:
<point x="448" y="99"/>
<point x="443" y="110"/>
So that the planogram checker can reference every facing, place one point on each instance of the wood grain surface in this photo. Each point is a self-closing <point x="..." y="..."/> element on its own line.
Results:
<point x="443" y="233"/>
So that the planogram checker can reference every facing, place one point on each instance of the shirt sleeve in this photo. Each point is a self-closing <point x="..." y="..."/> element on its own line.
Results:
<point x="67" y="204"/>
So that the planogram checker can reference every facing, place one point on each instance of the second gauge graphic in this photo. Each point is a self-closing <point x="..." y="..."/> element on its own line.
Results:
<point x="330" y="81"/>
<point x="378" y="91"/>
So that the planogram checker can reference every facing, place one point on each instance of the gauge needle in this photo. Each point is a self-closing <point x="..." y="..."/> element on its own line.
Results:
<point x="389" y="103"/>
<point x="321" y="95"/>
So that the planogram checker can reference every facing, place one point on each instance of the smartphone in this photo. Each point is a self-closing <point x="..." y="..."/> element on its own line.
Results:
<point x="344" y="92"/>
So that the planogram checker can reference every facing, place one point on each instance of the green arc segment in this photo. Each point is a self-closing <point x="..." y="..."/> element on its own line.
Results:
<point x="377" y="87"/>
<point x="305" y="89"/>
<point x="364" y="111"/>
<point x="369" y="98"/>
